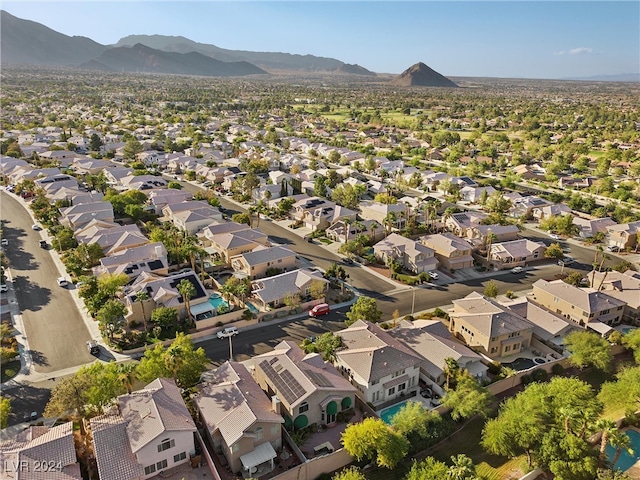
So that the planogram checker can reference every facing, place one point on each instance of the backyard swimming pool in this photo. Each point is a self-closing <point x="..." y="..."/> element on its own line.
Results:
<point x="388" y="413"/>
<point x="626" y="330"/>
<point x="626" y="461"/>
<point x="520" y="364"/>
<point x="217" y="301"/>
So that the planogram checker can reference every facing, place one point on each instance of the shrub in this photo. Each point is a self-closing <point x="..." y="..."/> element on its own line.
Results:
<point x="557" y="369"/>
<point x="219" y="324"/>
<point x="539" y="375"/>
<point x="134" y="324"/>
<point x="438" y="312"/>
<point x="494" y="368"/>
<point x="246" y="315"/>
<point x="509" y="294"/>
<point x="526" y="379"/>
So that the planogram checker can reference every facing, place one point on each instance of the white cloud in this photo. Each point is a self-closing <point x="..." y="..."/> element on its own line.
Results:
<point x="575" y="51"/>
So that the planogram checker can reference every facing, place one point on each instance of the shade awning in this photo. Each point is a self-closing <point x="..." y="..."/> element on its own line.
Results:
<point x="396" y="381"/>
<point x="262" y="453"/>
<point x="201" y="308"/>
<point x="599" y="327"/>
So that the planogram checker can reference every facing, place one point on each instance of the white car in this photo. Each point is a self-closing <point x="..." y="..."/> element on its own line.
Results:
<point x="555" y="236"/>
<point x="63" y="282"/>
<point x="227" y="332"/>
<point x="434" y="275"/>
<point x="4" y="288"/>
<point x="36" y="227"/>
<point x="517" y="270"/>
<point x="4" y="242"/>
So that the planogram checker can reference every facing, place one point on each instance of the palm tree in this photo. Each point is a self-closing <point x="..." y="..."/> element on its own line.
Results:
<point x="142" y="296"/>
<point x="187" y="290"/>
<point x="347" y="225"/>
<point x="451" y="369"/>
<point x="174" y="360"/>
<point x="373" y="228"/>
<point x="127" y="374"/>
<point x="599" y="249"/>
<point x="389" y="221"/>
<point x="607" y="427"/>
<point x="462" y="468"/>
<point x="227" y="291"/>
<point x="620" y="441"/>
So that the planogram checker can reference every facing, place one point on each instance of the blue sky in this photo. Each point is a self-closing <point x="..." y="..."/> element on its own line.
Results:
<point x="522" y="39"/>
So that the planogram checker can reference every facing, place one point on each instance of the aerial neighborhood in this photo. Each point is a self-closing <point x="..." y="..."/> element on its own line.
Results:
<point x="347" y="281"/>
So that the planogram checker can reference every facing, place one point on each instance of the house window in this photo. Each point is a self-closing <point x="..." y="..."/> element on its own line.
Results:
<point x="304" y="407"/>
<point x="235" y="447"/>
<point x="401" y="387"/>
<point x="180" y="456"/>
<point x="166" y="445"/>
<point x="259" y="433"/>
<point x="392" y="390"/>
<point x="507" y="348"/>
<point x="516" y="347"/>
<point x="161" y="464"/>
<point x="150" y="469"/>
<point x="274" y="429"/>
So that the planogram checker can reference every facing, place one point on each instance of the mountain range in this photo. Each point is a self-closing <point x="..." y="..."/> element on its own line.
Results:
<point x="24" y="42"/>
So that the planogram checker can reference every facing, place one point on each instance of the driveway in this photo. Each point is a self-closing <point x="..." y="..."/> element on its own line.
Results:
<point x="54" y="328"/>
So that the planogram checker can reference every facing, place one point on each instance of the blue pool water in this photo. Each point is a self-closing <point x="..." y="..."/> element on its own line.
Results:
<point x="626" y="461"/>
<point x="388" y="413"/>
<point x="626" y="330"/>
<point x="251" y="307"/>
<point x="216" y="301"/>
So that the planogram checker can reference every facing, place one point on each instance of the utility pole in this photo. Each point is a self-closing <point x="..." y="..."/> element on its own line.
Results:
<point x="230" y="349"/>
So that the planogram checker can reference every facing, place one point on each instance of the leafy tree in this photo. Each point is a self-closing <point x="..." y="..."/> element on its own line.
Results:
<point x="164" y="317"/>
<point x="347" y="195"/>
<point x="574" y="278"/>
<point x="428" y="469"/>
<point x="350" y="473"/>
<point x="241" y="218"/>
<point x="327" y="344"/>
<point x="589" y="349"/>
<point x="95" y="142"/>
<point x="127" y="375"/>
<point x="5" y="410"/>
<point x="469" y="398"/>
<point x="105" y="383"/>
<point x="175" y="185"/>
<point x="69" y="396"/>
<point x="317" y="289"/>
<point x="462" y="468"/>
<point x="365" y="308"/>
<point x="624" y="392"/>
<point x="496" y="203"/>
<point x="373" y="439"/>
<point x="491" y="289"/>
<point x="180" y="361"/>
<point x="385" y="198"/>
<point x="131" y="149"/>
<point x="111" y="317"/>
<point x="631" y="340"/>
<point x="413" y="421"/>
<point x="554" y="251"/>
<point x="320" y="187"/>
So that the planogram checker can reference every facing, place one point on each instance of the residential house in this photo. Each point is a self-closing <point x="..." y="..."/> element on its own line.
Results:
<point x="480" y="235"/>
<point x="523" y="207"/>
<point x="192" y="216"/>
<point x="318" y="213"/>
<point x="473" y="194"/>
<point x="91" y="166"/>
<point x="624" y="287"/>
<point x="114" y="175"/>
<point x="381" y="367"/>
<point x="162" y="291"/>
<point x="150" y="431"/>
<point x="52" y="183"/>
<point x="452" y="252"/>
<point x="40" y="452"/>
<point x="516" y="253"/>
<point x="142" y="182"/>
<point x="549" y="327"/>
<point x="111" y="237"/>
<point x="411" y="254"/>
<point x="344" y="230"/>
<point x="529" y="172"/>
<point x="393" y="216"/>
<point x="432" y="341"/>
<point x="78" y="216"/>
<point x="584" y="306"/>
<point x="160" y="198"/>
<point x="241" y="422"/>
<point x="310" y="390"/>
<point x="273" y="292"/>
<point x="263" y="260"/>
<point x="488" y="327"/>
<point x="224" y="246"/>
<point x="624" y="236"/>
<point x="462" y="223"/>
<point x="547" y="211"/>
<point x="151" y="257"/>
<point x="76" y="197"/>
<point x="590" y="227"/>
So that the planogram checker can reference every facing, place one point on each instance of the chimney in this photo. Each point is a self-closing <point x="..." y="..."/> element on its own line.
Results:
<point x="275" y="404"/>
<point x="158" y="251"/>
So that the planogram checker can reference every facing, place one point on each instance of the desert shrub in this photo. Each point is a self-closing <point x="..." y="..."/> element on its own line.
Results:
<point x="539" y="375"/>
<point x="557" y="369"/>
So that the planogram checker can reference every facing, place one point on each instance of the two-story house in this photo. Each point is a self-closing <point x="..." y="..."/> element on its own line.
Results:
<point x="381" y="367"/>
<point x="487" y="326"/>
<point x="515" y="253"/>
<point x="411" y="254"/>
<point x="273" y="292"/>
<point x="452" y="252"/>
<point x="624" y="236"/>
<point x="242" y="423"/>
<point x="151" y="431"/>
<point x="263" y="260"/>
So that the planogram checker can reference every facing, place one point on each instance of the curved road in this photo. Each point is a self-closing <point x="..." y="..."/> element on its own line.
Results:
<point x="54" y="328"/>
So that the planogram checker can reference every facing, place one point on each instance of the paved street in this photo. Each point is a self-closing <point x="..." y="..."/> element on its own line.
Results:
<point x="54" y="328"/>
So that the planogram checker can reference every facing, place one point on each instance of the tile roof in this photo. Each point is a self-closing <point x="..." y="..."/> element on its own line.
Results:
<point x="157" y="408"/>
<point x="488" y="317"/>
<point x="279" y="286"/>
<point x="546" y="324"/>
<point x="112" y="449"/>
<point x="266" y="254"/>
<point x="231" y="402"/>
<point x="587" y="299"/>
<point x="20" y="457"/>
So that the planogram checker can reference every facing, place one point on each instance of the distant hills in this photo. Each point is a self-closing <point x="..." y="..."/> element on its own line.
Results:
<point x="421" y="75"/>
<point x="31" y="43"/>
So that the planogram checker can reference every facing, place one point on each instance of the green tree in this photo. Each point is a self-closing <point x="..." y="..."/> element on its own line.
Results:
<point x="141" y="297"/>
<point x="428" y="469"/>
<point x="127" y="375"/>
<point x="623" y="393"/>
<point x="327" y="344"/>
<point x="164" y="317"/>
<point x="574" y="278"/>
<point x="187" y="291"/>
<point x="414" y="422"/>
<point x="111" y="317"/>
<point x="241" y="218"/>
<point x="496" y="203"/>
<point x="589" y="349"/>
<point x="631" y="341"/>
<point x="372" y="439"/>
<point x="181" y="360"/>
<point x="347" y="195"/>
<point x="105" y="383"/>
<point x="462" y="468"/>
<point x="469" y="398"/>
<point x="491" y="289"/>
<point x="69" y="396"/>
<point x="365" y="308"/>
<point x="5" y="410"/>
<point x="349" y="473"/>
<point x="131" y="149"/>
<point x="554" y="251"/>
<point x="320" y="187"/>
<point x="95" y="142"/>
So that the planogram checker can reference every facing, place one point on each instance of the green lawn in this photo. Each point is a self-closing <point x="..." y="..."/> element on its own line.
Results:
<point x="10" y="370"/>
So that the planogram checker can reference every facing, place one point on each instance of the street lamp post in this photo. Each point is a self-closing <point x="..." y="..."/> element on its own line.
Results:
<point x="413" y="300"/>
<point x="230" y="349"/>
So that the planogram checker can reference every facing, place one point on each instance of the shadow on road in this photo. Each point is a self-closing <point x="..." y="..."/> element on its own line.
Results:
<point x="39" y="358"/>
<point x="31" y="297"/>
<point x="280" y="240"/>
<point x="24" y="400"/>
<point x="20" y="259"/>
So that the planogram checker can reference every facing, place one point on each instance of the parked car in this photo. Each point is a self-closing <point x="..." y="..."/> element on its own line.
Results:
<point x="43" y="244"/>
<point x="517" y="270"/>
<point x="228" y="332"/>
<point x="3" y="287"/>
<point x="613" y="248"/>
<point x="434" y="275"/>
<point x="63" y="282"/>
<point x="4" y="242"/>
<point x="565" y="261"/>
<point x="319" y="310"/>
<point x="554" y="236"/>
<point x="94" y="348"/>
<point x="348" y="261"/>
<point x="36" y="227"/>
<point x="308" y="239"/>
